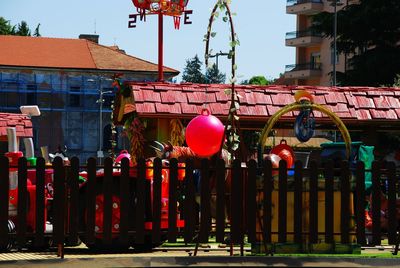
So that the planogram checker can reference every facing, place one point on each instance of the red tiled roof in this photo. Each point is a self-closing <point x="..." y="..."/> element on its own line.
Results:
<point x="258" y="103"/>
<point x="68" y="53"/>
<point x="21" y="122"/>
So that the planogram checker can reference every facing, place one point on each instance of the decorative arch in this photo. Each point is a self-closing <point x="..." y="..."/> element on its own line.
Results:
<point x="308" y="105"/>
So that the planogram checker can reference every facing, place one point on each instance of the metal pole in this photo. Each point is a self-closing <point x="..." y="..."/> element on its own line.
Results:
<point x="100" y="152"/>
<point x="160" y="46"/>
<point x="334" y="43"/>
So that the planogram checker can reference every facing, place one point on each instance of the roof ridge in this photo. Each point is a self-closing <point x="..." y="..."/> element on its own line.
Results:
<point x="90" y="52"/>
<point x="128" y="55"/>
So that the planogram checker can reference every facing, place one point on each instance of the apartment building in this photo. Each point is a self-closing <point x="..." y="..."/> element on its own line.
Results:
<point x="314" y="63"/>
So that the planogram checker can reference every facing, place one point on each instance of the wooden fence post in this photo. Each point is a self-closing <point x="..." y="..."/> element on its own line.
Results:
<point x="73" y="182"/>
<point x="313" y="235"/>
<point x="59" y="204"/>
<point x="282" y="213"/>
<point x="205" y="207"/>
<point x="392" y="190"/>
<point x="376" y="203"/>
<point x="220" y="221"/>
<point x="345" y="202"/>
<point x="267" y="204"/>
<point x="189" y="209"/>
<point x="157" y="179"/>
<point x="172" y="205"/>
<point x="251" y="203"/>
<point x="329" y="202"/>
<point x="22" y="202"/>
<point x="4" y="200"/>
<point x="360" y="201"/>
<point x="298" y="202"/>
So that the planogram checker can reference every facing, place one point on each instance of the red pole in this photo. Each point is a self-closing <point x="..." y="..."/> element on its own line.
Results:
<point x="160" y="47"/>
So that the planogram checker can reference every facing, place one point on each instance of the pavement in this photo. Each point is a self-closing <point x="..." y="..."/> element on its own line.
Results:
<point x="212" y="256"/>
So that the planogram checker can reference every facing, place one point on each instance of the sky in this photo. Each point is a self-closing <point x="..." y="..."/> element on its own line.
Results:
<point x="259" y="24"/>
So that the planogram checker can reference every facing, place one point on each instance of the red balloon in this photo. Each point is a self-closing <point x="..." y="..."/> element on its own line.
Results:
<point x="204" y="134"/>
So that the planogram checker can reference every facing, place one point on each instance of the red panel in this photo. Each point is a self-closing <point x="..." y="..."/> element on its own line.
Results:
<point x="245" y="110"/>
<point x="272" y="109"/>
<point x="198" y="97"/>
<point x="320" y="99"/>
<point x="393" y="102"/>
<point x="173" y="97"/>
<point x="3" y="131"/>
<point x="381" y="102"/>
<point x="363" y="114"/>
<point x="168" y="108"/>
<point x="219" y="108"/>
<point x="27" y="123"/>
<point x="282" y="99"/>
<point x="351" y="100"/>
<point x="151" y="96"/>
<point x="335" y="97"/>
<point x="145" y="107"/>
<point x="364" y="102"/>
<point x="398" y="113"/>
<point x="260" y="110"/>
<point x="3" y="123"/>
<point x="221" y="96"/>
<point x="190" y="109"/>
<point x="378" y="114"/>
<point x="138" y="95"/>
<point x="339" y="108"/>
<point x="247" y="98"/>
<point x="380" y="93"/>
<point x="28" y="132"/>
<point x="261" y="98"/>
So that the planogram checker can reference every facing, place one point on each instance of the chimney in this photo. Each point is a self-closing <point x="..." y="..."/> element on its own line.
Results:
<point x="91" y="37"/>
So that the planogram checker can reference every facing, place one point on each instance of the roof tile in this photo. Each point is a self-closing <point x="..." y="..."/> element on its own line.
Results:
<point x="381" y="102"/>
<point x="173" y="97"/>
<point x="145" y="108"/>
<point x="151" y="96"/>
<point x="282" y="99"/>
<point x="382" y="114"/>
<point x="168" y="108"/>
<point x="364" y="102"/>
<point x="261" y="98"/>
<point x="335" y="97"/>
<point x="363" y="114"/>
<point x="394" y="102"/>
<point x="190" y="109"/>
<point x="200" y="97"/>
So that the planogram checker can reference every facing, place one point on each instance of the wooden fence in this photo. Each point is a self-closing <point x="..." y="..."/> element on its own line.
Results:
<point x="265" y="207"/>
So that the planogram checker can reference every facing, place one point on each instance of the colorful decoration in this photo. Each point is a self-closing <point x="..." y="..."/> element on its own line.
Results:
<point x="298" y="106"/>
<point x="167" y="7"/>
<point x="285" y="152"/>
<point x="177" y="132"/>
<point x="305" y="123"/>
<point x="204" y="134"/>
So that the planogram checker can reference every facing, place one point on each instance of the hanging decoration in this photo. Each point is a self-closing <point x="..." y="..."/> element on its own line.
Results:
<point x="177" y="132"/>
<point x="204" y="134"/>
<point x="174" y="8"/>
<point x="299" y="105"/>
<point x="232" y="128"/>
<point x="304" y="124"/>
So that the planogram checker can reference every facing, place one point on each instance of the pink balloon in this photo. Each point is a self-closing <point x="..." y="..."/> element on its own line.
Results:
<point x="204" y="134"/>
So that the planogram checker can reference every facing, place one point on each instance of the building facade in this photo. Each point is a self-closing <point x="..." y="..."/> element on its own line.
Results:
<point x="65" y="77"/>
<point x="315" y="55"/>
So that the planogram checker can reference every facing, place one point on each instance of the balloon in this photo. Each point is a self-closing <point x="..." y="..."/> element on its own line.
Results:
<point x="204" y="134"/>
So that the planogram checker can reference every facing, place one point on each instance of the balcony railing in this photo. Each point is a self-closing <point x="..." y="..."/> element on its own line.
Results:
<point x="299" y="34"/>
<point x="297" y="2"/>
<point x="303" y="66"/>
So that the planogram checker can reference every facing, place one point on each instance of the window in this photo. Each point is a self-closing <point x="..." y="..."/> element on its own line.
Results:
<point x="31" y="94"/>
<point x="75" y="96"/>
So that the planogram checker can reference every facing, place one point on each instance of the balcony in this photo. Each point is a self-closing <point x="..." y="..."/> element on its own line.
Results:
<point x="303" y="38"/>
<point x="303" y="71"/>
<point x="305" y="7"/>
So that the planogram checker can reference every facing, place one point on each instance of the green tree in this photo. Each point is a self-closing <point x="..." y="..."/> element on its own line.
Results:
<point x="192" y="71"/>
<point x="368" y="32"/>
<point x="23" y="29"/>
<point x="259" y="80"/>
<point x="5" y="27"/>
<point x="214" y="76"/>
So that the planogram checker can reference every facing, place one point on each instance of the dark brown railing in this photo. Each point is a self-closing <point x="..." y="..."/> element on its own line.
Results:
<point x="254" y="192"/>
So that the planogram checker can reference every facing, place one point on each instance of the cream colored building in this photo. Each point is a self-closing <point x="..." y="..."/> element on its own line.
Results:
<point x="314" y="53"/>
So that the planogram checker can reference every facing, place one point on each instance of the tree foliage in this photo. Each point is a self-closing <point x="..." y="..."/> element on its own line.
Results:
<point x="21" y="29"/>
<point x="259" y="80"/>
<point x="368" y="32"/>
<point x="214" y="76"/>
<point x="192" y="71"/>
